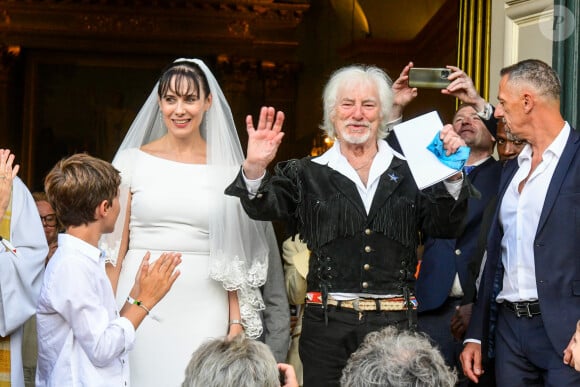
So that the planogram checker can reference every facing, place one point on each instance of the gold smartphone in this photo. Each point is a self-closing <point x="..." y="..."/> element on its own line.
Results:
<point x="432" y="78"/>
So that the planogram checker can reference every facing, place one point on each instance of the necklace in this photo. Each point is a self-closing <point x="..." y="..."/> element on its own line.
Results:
<point x="364" y="165"/>
<point x="367" y="163"/>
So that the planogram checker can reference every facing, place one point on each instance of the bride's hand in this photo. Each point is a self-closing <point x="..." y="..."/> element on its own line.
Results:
<point x="234" y="330"/>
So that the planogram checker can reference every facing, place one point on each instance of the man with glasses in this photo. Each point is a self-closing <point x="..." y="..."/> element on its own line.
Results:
<point x="49" y="221"/>
<point x="29" y="340"/>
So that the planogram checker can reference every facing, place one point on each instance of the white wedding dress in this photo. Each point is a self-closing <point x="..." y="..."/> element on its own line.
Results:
<point x="170" y="210"/>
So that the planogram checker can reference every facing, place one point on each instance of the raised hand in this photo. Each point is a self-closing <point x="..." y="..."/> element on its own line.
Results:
<point x="403" y="94"/>
<point x="263" y="141"/>
<point x="462" y="88"/>
<point x="7" y="174"/>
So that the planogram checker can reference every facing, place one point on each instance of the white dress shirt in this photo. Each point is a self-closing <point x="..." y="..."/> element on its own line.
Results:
<point x="519" y="217"/>
<point x="335" y="160"/>
<point x="82" y="341"/>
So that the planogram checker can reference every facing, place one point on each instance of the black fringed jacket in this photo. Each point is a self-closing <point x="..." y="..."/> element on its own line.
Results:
<point x="351" y="251"/>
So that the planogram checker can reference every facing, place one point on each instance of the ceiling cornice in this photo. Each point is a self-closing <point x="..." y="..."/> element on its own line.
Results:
<point x="160" y="25"/>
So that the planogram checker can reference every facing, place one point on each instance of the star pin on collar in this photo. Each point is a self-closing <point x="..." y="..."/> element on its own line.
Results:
<point x="393" y="177"/>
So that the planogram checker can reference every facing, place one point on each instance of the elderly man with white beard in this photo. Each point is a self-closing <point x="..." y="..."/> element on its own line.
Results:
<point x="358" y="209"/>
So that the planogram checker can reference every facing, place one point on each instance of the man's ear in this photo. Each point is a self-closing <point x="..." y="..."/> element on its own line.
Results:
<point x="528" y="101"/>
<point x="102" y="209"/>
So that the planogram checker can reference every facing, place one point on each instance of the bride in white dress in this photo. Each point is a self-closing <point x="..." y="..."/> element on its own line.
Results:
<point x="180" y="153"/>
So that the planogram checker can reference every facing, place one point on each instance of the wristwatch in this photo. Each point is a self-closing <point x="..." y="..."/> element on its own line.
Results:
<point x="486" y="113"/>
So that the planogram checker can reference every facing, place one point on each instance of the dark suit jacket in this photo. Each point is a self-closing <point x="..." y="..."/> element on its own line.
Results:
<point x="442" y="258"/>
<point x="556" y="255"/>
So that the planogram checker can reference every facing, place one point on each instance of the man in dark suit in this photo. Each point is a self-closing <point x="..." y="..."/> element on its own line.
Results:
<point x="444" y="274"/>
<point x="529" y="296"/>
<point x="508" y="148"/>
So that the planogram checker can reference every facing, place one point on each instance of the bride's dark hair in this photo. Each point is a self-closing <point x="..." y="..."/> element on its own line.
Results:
<point x="184" y="72"/>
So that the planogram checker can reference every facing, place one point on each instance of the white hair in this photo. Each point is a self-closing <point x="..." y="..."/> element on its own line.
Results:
<point x="392" y="358"/>
<point x="349" y="75"/>
<point x="239" y="362"/>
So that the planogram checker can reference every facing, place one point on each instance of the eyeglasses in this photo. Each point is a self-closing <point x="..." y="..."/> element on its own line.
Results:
<point x="49" y="220"/>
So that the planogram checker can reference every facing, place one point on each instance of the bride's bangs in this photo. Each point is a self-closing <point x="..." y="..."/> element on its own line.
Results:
<point x="180" y="80"/>
<point x="186" y="81"/>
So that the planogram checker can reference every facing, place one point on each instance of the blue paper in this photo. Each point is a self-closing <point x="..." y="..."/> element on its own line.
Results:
<point x="455" y="160"/>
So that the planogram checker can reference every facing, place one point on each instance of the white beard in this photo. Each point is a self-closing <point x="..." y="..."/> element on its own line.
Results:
<point x="351" y="139"/>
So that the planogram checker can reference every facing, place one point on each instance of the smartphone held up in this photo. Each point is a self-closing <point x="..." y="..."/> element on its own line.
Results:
<point x="432" y="78"/>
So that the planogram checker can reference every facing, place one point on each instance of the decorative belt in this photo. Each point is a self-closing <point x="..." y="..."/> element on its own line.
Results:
<point x="364" y="304"/>
<point x="523" y="309"/>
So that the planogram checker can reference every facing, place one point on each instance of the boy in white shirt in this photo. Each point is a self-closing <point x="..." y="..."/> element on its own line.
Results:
<point x="83" y="339"/>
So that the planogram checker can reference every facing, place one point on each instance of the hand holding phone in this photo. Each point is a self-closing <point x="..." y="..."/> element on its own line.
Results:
<point x="432" y="78"/>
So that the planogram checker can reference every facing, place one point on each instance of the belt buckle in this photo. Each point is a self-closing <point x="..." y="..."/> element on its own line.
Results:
<point x="523" y="310"/>
<point x="356" y="305"/>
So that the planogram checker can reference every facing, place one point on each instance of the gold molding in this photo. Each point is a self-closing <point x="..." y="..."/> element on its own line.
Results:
<point x="473" y="54"/>
<point x="161" y="26"/>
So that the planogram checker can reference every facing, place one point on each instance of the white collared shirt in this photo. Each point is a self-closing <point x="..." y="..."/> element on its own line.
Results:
<point x="82" y="341"/>
<point x="519" y="216"/>
<point x="381" y="162"/>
